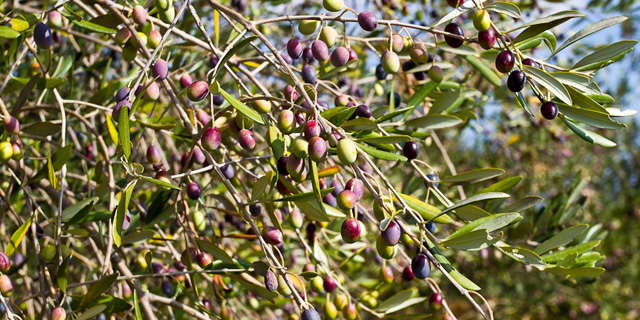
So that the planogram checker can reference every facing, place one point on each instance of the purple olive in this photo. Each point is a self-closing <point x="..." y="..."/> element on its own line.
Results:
<point x="309" y="74"/>
<point x="5" y="263"/>
<point x="307" y="55"/>
<point x="282" y="166"/>
<point x="317" y="149"/>
<point x="391" y="235"/>
<point x="185" y="81"/>
<point x="320" y="50"/>
<point x="154" y="155"/>
<point x="160" y="69"/>
<point x="116" y="110"/>
<point x="339" y="57"/>
<point x="198" y="156"/>
<point x="350" y="230"/>
<point x="211" y="139"/>
<point x="11" y="125"/>
<point x="42" y="36"/>
<point x="218" y="99"/>
<point x="246" y="139"/>
<point x="294" y="48"/>
<point x="355" y="185"/>
<point x="272" y="235"/>
<point x="122" y="94"/>
<point x="198" y="90"/>
<point x="367" y="21"/>
<point x="213" y="60"/>
<point x="193" y="190"/>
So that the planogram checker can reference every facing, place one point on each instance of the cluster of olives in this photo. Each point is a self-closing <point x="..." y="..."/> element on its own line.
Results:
<point x="11" y="149"/>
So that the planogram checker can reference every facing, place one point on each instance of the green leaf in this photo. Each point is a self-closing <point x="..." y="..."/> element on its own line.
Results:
<point x="123" y="131"/>
<point x="238" y="46"/>
<point x="473" y="176"/>
<point x="427" y="211"/>
<point x="92" y="312"/>
<point x="214" y="250"/>
<point x="525" y="255"/>
<point x="136" y="305"/>
<point x="121" y="212"/>
<point x="242" y="108"/>
<point x="577" y="250"/>
<point x="506" y="8"/>
<point x="549" y="82"/>
<point x="605" y="56"/>
<point x="304" y="197"/>
<point x="315" y="182"/>
<point x="43" y="83"/>
<point x="472" y="241"/>
<point x="309" y="275"/>
<point x="98" y="288"/>
<point x="590" y="117"/>
<point x="563" y="237"/>
<point x="158" y="126"/>
<point x="477" y="198"/>
<point x="59" y="158"/>
<point x="62" y="274"/>
<point x="52" y="175"/>
<point x="580" y="272"/>
<point x="590" y="29"/>
<point x="319" y="253"/>
<point x="522" y="103"/>
<point x="42" y="129"/>
<point x="17" y="236"/>
<point x="78" y="208"/>
<point x="385" y="139"/>
<point x="338" y="115"/>
<point x="421" y="93"/>
<point x="160" y="183"/>
<point x="450" y="100"/>
<point x="64" y="66"/>
<point x="554" y="17"/>
<point x="489" y="224"/>
<point x="503" y="185"/>
<point x="94" y="27"/>
<point x="582" y="100"/>
<point x="313" y="211"/>
<point x="24" y="94"/>
<point x="397" y="300"/>
<point x="393" y="114"/>
<point x="434" y="121"/>
<point x="379" y="154"/>
<point x="8" y="33"/>
<point x="463" y="50"/>
<point x="485" y="70"/>
<point x="460" y="10"/>
<point x="359" y="124"/>
<point x="261" y="186"/>
<point x="540" y="29"/>
<point x="577" y="81"/>
<point x="258" y="290"/>
<point x="471" y="213"/>
<point x="589" y="136"/>
<point x="138" y="236"/>
<point x="523" y="204"/>
<point x="463" y="281"/>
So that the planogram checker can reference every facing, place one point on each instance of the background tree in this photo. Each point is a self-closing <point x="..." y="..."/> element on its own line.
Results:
<point x="194" y="160"/>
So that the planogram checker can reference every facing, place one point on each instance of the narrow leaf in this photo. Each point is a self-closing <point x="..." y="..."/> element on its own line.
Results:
<point x="241" y="107"/>
<point x="549" y="82"/>
<point x="590" y="29"/>
<point x="238" y="46"/>
<point x="17" y="236"/>
<point x="214" y="250"/>
<point x="485" y="70"/>
<point x="589" y="136"/>
<point x="473" y="176"/>
<point x="123" y="131"/>
<point x="563" y="237"/>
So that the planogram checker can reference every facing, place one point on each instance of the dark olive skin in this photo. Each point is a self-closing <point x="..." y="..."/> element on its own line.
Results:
<point x="516" y="81"/>
<point x="505" y="61"/>
<point x="350" y="230"/>
<point x="549" y="110"/>
<point x="411" y="150"/>
<point x="457" y="30"/>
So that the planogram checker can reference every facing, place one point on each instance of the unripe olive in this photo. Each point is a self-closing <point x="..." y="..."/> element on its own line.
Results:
<point x="435" y="74"/>
<point x="58" y="314"/>
<point x="48" y="252"/>
<point x="341" y="100"/>
<point x="168" y="15"/>
<point x="340" y="300"/>
<point x="6" y="286"/>
<point x="350" y="312"/>
<point x="347" y="152"/>
<point x="390" y="62"/>
<point x="122" y="36"/>
<point x="129" y="52"/>
<point x="386" y="274"/>
<point x="418" y="54"/>
<point x="385" y="251"/>
<point x="482" y="20"/>
<point x="262" y="106"/>
<point x="329" y="310"/>
<point x="296" y="218"/>
<point x="286" y="121"/>
<point x="283" y="288"/>
<point x="154" y="38"/>
<point x="308" y="27"/>
<point x="163" y="5"/>
<point x="139" y="14"/>
<point x="300" y="147"/>
<point x="204" y="259"/>
<point x="55" y="18"/>
<point x="316" y="284"/>
<point x="199" y="221"/>
<point x="333" y="5"/>
<point x="397" y="43"/>
<point x="328" y="35"/>
<point x="225" y="313"/>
